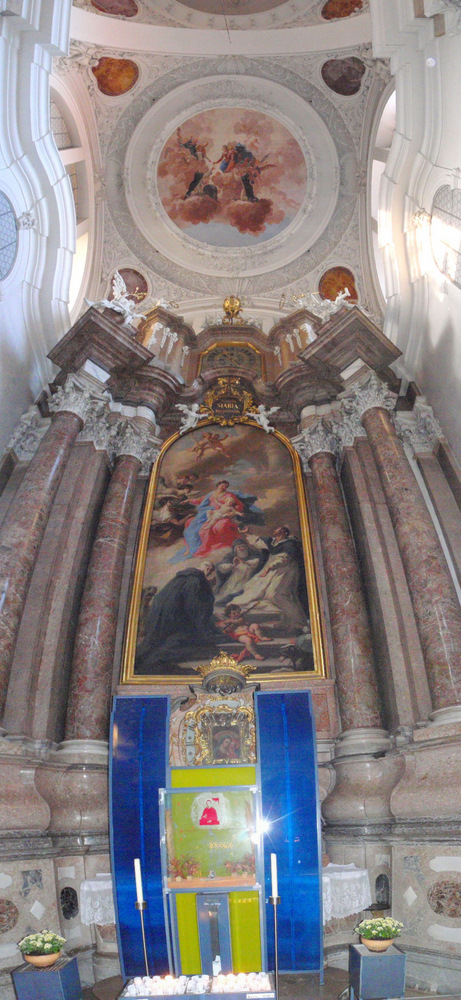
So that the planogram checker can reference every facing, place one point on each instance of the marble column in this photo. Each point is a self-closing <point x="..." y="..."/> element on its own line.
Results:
<point x="91" y="677"/>
<point x="24" y="524"/>
<point x="355" y="672"/>
<point x="436" y="606"/>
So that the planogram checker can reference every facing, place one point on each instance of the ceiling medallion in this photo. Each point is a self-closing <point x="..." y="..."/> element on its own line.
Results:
<point x="232" y="177"/>
<point x="226" y="175"/>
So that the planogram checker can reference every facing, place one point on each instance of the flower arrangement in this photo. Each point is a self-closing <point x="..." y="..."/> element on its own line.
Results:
<point x="379" y="929"/>
<point x="184" y="867"/>
<point x="246" y="865"/>
<point x="42" y="943"/>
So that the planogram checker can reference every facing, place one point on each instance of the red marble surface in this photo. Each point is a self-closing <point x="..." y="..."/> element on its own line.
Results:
<point x="355" y="674"/>
<point x="89" y="697"/>
<point x="22" y="531"/>
<point x="437" y="610"/>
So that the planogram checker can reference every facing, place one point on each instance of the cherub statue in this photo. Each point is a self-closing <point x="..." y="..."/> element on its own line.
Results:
<point x="121" y="302"/>
<point x="341" y="297"/>
<point x="191" y="416"/>
<point x="261" y="415"/>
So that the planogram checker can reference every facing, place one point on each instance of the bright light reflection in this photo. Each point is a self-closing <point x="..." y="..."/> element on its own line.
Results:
<point x="78" y="268"/>
<point x="263" y="826"/>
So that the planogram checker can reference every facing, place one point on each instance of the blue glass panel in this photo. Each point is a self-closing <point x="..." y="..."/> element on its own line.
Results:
<point x="288" y="776"/>
<point x="138" y="770"/>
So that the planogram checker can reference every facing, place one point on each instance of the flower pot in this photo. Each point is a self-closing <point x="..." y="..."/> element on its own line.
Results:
<point x="377" y="944"/>
<point x="42" y="961"/>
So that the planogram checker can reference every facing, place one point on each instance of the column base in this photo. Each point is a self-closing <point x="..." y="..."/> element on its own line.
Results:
<point x="75" y="788"/>
<point x="365" y="778"/>
<point x="83" y="751"/>
<point x="445" y="716"/>
<point x="365" y="740"/>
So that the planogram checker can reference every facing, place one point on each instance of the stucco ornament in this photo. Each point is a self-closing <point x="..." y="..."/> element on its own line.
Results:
<point x="419" y="429"/>
<point x="136" y="441"/>
<point x="98" y="430"/>
<point x="121" y="302"/>
<point x="190" y="416"/>
<point x="319" y="437"/>
<point x="27" y="435"/>
<point x="77" y="398"/>
<point x="261" y="416"/>
<point x="370" y="394"/>
<point x="26" y="221"/>
<point x="323" y="308"/>
<point x="432" y="7"/>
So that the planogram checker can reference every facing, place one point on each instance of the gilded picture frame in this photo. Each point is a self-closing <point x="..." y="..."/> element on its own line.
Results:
<point x="225" y="513"/>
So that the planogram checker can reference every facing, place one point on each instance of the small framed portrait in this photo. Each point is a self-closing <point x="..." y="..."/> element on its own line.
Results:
<point x="226" y="743"/>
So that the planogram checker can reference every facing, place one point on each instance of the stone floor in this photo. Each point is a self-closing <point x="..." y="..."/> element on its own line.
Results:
<point x="292" y="987"/>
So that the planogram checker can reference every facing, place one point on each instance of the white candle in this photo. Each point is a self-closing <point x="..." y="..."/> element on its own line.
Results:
<point x="137" y="875"/>
<point x="274" y="882"/>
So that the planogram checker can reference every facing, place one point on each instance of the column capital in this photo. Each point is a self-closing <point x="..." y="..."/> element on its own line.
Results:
<point x="135" y="440"/>
<point x="371" y="394"/>
<point x="98" y="430"/>
<point x="319" y="438"/>
<point x="76" y="397"/>
<point x="26" y="437"/>
<point x="418" y="428"/>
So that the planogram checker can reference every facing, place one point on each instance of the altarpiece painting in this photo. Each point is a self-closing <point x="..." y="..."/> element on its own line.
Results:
<point x="224" y="560"/>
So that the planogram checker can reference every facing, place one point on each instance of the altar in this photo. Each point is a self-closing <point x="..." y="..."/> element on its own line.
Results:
<point x="204" y="835"/>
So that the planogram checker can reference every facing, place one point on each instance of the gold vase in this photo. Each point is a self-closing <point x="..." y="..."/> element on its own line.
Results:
<point x="377" y="944"/>
<point x="43" y="961"/>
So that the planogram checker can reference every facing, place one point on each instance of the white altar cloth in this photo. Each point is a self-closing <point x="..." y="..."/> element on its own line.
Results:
<point x="346" y="890"/>
<point x="97" y="901"/>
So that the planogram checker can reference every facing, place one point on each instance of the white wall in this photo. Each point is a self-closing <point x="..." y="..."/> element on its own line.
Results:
<point x="33" y="298"/>
<point x="424" y="309"/>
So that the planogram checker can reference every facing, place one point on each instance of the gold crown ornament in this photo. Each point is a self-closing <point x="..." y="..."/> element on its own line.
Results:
<point x="223" y="675"/>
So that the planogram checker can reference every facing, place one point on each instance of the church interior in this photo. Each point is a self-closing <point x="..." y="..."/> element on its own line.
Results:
<point x="230" y="491"/>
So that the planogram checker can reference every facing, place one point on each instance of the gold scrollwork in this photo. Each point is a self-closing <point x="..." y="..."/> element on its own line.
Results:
<point x="206" y="720"/>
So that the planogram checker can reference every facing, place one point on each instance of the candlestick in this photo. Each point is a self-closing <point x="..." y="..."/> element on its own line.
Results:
<point x="138" y="879"/>
<point x="274" y="879"/>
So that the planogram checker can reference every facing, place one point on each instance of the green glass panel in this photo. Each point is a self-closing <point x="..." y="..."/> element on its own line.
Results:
<point x="189" y="946"/>
<point x="245" y="931"/>
<point x="206" y="777"/>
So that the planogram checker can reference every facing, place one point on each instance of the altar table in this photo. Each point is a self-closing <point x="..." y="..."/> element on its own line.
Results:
<point x="97" y="901"/>
<point x="346" y="890"/>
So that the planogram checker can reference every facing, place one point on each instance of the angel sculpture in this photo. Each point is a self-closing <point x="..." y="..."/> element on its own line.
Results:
<point x="341" y="297"/>
<point x="261" y="416"/>
<point x="191" y="416"/>
<point x="121" y="302"/>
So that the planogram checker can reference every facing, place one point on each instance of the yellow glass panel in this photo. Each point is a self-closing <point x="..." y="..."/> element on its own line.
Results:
<point x="189" y="946"/>
<point x="207" y="777"/>
<point x="245" y="931"/>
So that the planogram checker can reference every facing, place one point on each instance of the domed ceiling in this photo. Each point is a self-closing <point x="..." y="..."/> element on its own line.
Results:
<point x="226" y="173"/>
<point x="228" y="14"/>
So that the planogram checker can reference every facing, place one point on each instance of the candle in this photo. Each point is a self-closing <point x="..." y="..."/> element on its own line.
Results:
<point x="137" y="875"/>
<point x="274" y="882"/>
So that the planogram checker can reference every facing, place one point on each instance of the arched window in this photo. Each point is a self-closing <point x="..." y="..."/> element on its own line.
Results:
<point x="8" y="236"/>
<point x="446" y="232"/>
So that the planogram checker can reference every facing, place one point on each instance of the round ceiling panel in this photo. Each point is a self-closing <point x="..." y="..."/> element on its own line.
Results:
<point x="230" y="175"/>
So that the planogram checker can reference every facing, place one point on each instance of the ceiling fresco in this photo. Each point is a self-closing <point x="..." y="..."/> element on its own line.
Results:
<point x="227" y="14"/>
<point x="231" y="177"/>
<point x="115" y="76"/>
